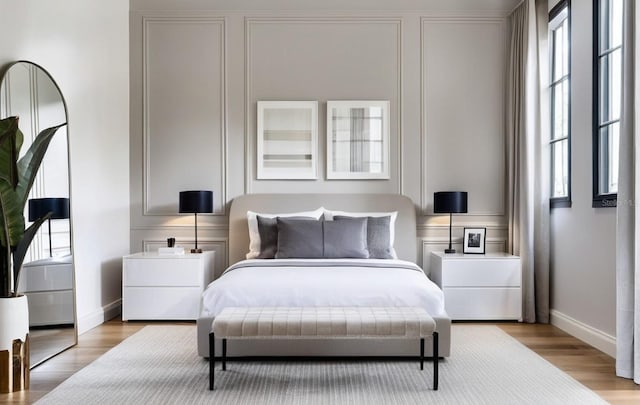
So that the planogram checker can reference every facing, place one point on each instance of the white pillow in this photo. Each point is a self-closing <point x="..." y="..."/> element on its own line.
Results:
<point x="254" y="234"/>
<point x="329" y="214"/>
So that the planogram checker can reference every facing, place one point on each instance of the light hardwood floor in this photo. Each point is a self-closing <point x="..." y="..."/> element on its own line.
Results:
<point x="591" y="367"/>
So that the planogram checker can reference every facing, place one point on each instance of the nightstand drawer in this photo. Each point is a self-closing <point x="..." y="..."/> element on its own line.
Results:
<point x="167" y="302"/>
<point x="162" y="272"/>
<point x="481" y="273"/>
<point x="483" y="303"/>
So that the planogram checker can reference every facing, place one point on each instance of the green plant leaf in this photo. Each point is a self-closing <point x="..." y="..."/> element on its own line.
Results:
<point x="9" y="150"/>
<point x="21" y="250"/>
<point x="29" y="164"/>
<point x="11" y="215"/>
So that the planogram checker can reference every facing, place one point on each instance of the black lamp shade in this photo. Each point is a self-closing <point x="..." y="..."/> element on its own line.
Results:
<point x="447" y="202"/>
<point x="196" y="202"/>
<point x="39" y="207"/>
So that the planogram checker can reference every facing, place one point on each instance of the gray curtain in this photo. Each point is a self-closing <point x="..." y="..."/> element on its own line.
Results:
<point x="627" y="284"/>
<point x="528" y="158"/>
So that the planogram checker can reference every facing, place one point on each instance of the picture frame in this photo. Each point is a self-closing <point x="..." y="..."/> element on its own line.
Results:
<point x="474" y="241"/>
<point x="358" y="139"/>
<point x="287" y="140"/>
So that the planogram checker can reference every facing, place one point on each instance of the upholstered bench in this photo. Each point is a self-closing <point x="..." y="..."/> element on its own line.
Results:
<point x="323" y="323"/>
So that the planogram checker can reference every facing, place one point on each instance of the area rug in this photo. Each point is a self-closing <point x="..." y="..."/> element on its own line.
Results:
<point x="159" y="365"/>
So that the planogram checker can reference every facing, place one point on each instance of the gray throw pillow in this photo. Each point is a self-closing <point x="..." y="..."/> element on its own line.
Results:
<point x="299" y="238"/>
<point x="346" y="238"/>
<point x="378" y="236"/>
<point x="268" y="230"/>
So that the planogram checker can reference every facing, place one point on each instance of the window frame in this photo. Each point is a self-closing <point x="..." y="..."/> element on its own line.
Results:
<point x="563" y="201"/>
<point x="609" y="199"/>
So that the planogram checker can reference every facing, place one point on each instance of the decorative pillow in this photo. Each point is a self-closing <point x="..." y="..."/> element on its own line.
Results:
<point x="346" y="238"/>
<point x="299" y="238"/>
<point x="378" y="235"/>
<point x="268" y="229"/>
<point x="311" y="239"/>
<point x="329" y="215"/>
<point x="254" y="234"/>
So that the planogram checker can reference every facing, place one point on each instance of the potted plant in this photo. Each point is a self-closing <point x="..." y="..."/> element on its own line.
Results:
<point x="17" y="175"/>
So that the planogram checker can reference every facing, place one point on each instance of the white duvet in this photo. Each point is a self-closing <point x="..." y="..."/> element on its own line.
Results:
<point x="323" y="282"/>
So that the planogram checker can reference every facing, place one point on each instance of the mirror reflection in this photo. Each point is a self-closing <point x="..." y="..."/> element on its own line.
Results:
<point x="47" y="278"/>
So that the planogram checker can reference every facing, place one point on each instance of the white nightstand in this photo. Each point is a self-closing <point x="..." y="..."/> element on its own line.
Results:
<point x="164" y="286"/>
<point x="487" y="287"/>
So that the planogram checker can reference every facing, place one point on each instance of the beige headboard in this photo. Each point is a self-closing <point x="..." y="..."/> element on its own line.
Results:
<point x="405" y="230"/>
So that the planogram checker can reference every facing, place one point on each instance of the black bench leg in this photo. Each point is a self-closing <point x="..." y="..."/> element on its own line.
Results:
<point x="224" y="354"/>
<point x="421" y="353"/>
<point x="436" y="359"/>
<point x="212" y="356"/>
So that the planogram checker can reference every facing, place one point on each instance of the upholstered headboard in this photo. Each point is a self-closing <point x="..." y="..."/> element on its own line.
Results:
<point x="405" y="231"/>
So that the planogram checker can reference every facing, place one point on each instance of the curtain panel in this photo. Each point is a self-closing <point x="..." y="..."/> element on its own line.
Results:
<point x="528" y="157"/>
<point x="627" y="225"/>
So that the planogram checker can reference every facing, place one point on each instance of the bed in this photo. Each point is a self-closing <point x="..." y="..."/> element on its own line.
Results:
<point x="323" y="282"/>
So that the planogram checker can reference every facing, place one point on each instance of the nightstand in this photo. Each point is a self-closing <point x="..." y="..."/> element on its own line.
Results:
<point x="164" y="286"/>
<point x="479" y="287"/>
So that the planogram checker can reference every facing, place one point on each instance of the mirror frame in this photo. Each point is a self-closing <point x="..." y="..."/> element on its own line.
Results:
<point x="3" y="74"/>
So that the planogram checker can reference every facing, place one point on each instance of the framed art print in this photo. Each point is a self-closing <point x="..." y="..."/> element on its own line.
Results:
<point x="474" y="240"/>
<point x="357" y="139"/>
<point x="287" y="140"/>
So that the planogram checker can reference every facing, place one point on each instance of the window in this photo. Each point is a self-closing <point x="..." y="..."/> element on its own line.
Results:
<point x="559" y="40"/>
<point x="607" y="99"/>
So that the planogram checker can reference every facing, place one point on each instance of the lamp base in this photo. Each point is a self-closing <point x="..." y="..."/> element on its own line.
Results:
<point x="449" y="251"/>
<point x="196" y="250"/>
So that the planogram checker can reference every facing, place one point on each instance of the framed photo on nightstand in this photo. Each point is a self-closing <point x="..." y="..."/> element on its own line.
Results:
<point x="474" y="240"/>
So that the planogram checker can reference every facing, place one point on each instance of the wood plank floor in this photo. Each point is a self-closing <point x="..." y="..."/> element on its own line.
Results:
<point x="591" y="367"/>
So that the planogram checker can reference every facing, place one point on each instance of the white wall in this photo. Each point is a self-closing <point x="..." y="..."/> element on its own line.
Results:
<point x="85" y="47"/>
<point x="583" y="276"/>
<point x="441" y="64"/>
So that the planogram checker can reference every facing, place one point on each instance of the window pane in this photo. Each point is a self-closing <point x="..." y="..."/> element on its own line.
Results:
<point x="608" y="158"/>
<point x="610" y="86"/>
<point x="558" y="44"/>
<point x="565" y="47"/>
<point x="560" y="113"/>
<point x="560" y="168"/>
<point x="610" y="24"/>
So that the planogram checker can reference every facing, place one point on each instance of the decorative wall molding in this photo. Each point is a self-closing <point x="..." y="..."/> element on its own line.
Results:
<point x="99" y="316"/>
<point x="491" y="19"/>
<point x="588" y="334"/>
<point x="147" y="21"/>
<point x="252" y="21"/>
<point x="214" y="227"/>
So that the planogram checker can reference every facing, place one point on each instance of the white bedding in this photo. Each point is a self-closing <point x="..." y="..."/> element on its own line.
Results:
<point x="323" y="282"/>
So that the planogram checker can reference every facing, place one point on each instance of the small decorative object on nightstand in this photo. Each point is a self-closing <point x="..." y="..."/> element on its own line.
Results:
<point x="479" y="287"/>
<point x="156" y="286"/>
<point x="194" y="202"/>
<point x="474" y="240"/>
<point x="450" y="202"/>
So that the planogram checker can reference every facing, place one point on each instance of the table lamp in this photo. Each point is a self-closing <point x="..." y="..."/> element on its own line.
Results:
<point x="196" y="202"/>
<point x="450" y="202"/>
<point x="39" y="207"/>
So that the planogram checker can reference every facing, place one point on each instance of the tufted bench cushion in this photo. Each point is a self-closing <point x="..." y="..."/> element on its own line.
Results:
<point x="322" y="323"/>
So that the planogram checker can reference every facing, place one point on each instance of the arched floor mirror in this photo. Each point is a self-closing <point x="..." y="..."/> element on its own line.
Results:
<point x="48" y="277"/>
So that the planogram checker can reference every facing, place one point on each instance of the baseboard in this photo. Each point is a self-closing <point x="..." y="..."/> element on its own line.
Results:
<point x="99" y="316"/>
<point x="588" y="334"/>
